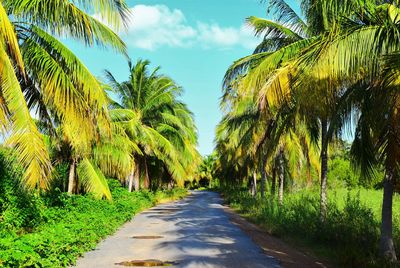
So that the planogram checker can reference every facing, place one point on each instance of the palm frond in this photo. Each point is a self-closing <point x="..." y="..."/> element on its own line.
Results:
<point x="269" y="28"/>
<point x="8" y="36"/>
<point x="286" y="14"/>
<point x="25" y="137"/>
<point x="63" y="18"/>
<point x="93" y="179"/>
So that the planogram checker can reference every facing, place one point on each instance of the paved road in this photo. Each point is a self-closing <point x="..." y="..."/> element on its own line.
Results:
<point x="194" y="232"/>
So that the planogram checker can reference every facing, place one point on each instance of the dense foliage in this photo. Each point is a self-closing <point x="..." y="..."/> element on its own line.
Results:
<point x="54" y="229"/>
<point x="329" y="71"/>
<point x="148" y="111"/>
<point x="57" y="197"/>
<point x="41" y="75"/>
<point x="348" y="236"/>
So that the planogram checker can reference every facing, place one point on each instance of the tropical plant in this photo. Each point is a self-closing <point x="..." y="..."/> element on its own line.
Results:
<point x="87" y="168"/>
<point x="153" y="118"/>
<point x="206" y="169"/>
<point x="39" y="73"/>
<point x="350" y="57"/>
<point x="280" y="145"/>
<point x="360" y="54"/>
<point x="269" y="73"/>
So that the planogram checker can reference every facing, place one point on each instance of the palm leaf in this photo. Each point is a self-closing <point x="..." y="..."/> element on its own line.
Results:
<point x="269" y="28"/>
<point x="9" y="38"/>
<point x="93" y="179"/>
<point x="63" y="18"/>
<point x="24" y="137"/>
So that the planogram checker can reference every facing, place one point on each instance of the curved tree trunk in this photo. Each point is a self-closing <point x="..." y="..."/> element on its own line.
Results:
<point x="386" y="241"/>
<point x="71" y="177"/>
<point x="324" y="168"/>
<point x="281" y="177"/>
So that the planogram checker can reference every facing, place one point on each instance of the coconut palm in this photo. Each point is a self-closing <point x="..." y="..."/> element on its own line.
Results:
<point x="109" y="156"/>
<point x="269" y="73"/>
<point x="39" y="72"/>
<point x="206" y="169"/>
<point x="161" y="125"/>
<point x="254" y="140"/>
<point x="359" y="54"/>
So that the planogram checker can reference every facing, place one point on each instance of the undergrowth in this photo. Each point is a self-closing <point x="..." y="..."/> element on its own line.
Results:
<point x="349" y="235"/>
<point x="52" y="230"/>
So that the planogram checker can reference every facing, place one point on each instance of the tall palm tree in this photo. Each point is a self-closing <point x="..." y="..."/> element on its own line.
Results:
<point x="39" y="72"/>
<point x="161" y="125"/>
<point x="251" y="139"/>
<point x="269" y="73"/>
<point x="359" y="54"/>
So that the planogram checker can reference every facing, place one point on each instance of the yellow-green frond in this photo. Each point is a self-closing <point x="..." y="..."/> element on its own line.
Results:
<point x="24" y="135"/>
<point x="93" y="179"/>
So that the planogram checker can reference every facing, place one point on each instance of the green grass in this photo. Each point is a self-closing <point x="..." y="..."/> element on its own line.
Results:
<point x="53" y="229"/>
<point x="369" y="197"/>
<point x="65" y="227"/>
<point x="348" y="237"/>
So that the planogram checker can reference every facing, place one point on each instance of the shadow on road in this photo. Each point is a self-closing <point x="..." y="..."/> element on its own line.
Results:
<point x="205" y="237"/>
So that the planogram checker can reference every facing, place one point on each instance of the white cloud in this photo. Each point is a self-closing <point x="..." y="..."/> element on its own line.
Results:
<point x="213" y="34"/>
<point x="151" y="27"/>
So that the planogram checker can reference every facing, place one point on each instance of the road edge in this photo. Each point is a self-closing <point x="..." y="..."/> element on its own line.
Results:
<point x="287" y="256"/>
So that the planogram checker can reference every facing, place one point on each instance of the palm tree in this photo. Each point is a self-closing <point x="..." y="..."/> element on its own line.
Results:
<point x="206" y="168"/>
<point x="109" y="156"/>
<point x="269" y="73"/>
<point x="161" y="125"/>
<point x="359" y="54"/>
<point x="40" y="73"/>
<point x="251" y="139"/>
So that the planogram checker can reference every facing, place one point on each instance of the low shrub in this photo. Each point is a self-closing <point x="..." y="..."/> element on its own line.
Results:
<point x="53" y="229"/>
<point x="349" y="234"/>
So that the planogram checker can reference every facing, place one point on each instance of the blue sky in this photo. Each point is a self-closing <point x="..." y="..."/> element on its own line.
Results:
<point x="193" y="41"/>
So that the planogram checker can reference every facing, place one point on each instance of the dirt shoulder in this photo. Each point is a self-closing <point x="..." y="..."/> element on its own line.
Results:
<point x="287" y="255"/>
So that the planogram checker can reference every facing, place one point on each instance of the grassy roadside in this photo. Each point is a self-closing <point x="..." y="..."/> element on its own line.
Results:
<point x="303" y="245"/>
<point x="61" y="228"/>
<point x="348" y="238"/>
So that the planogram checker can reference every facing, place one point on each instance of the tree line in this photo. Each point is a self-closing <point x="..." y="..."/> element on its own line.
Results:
<point x="329" y="72"/>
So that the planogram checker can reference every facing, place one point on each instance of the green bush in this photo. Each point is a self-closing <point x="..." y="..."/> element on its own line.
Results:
<point x="350" y="232"/>
<point x="53" y="229"/>
<point x="72" y="227"/>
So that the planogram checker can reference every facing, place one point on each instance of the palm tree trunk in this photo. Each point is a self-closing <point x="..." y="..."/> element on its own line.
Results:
<point x="309" y="178"/>
<point x="146" y="179"/>
<point x="263" y="178"/>
<point x="387" y="249"/>
<point x="281" y="177"/>
<point x="170" y="185"/>
<point x="324" y="168"/>
<point x="71" y="177"/>
<point x="254" y="186"/>
<point x="136" y="178"/>
<point x="273" y="183"/>
<point x="131" y="177"/>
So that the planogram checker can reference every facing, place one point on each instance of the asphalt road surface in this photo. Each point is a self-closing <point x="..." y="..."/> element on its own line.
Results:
<point x="193" y="232"/>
